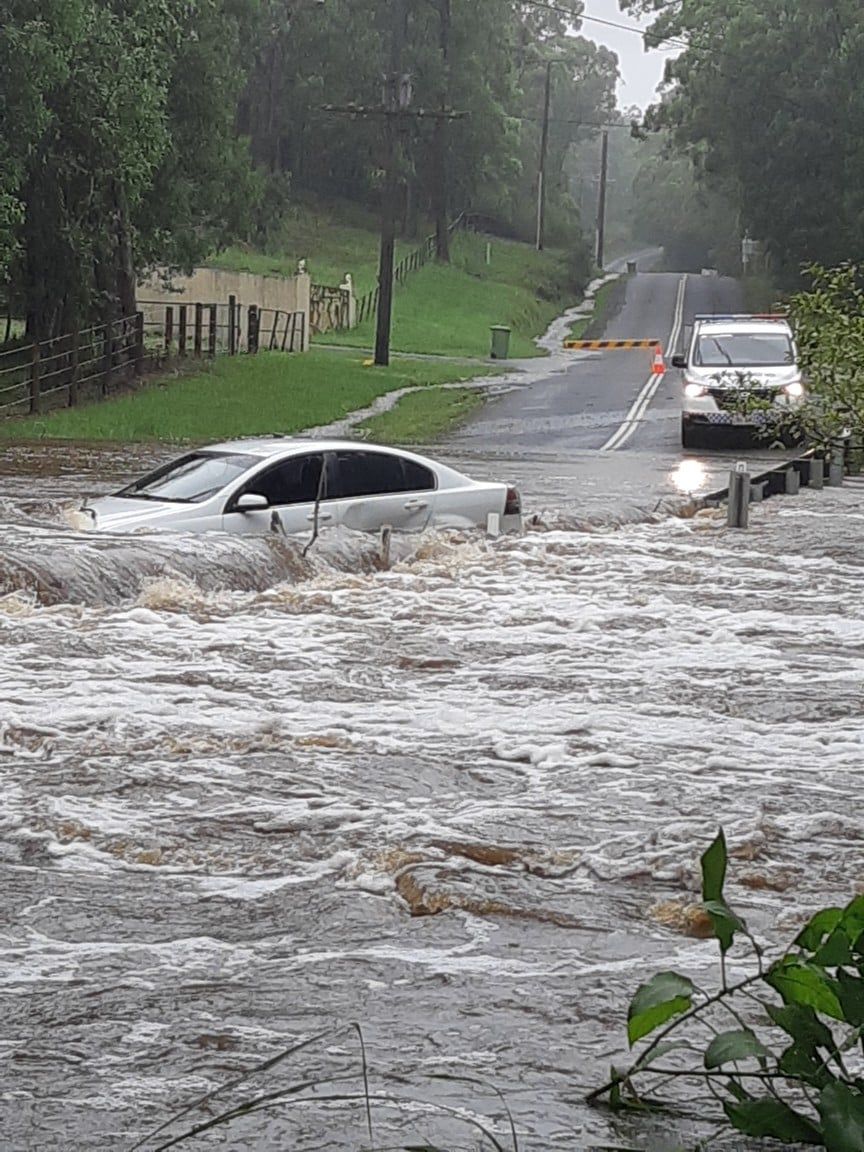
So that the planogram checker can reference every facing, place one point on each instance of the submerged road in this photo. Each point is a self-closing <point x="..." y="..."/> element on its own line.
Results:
<point x="603" y="433"/>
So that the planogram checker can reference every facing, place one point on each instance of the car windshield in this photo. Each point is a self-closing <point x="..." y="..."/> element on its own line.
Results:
<point x="191" y="479"/>
<point x="744" y="350"/>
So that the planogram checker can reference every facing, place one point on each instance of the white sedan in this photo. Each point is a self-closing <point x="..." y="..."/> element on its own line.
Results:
<point x="258" y="486"/>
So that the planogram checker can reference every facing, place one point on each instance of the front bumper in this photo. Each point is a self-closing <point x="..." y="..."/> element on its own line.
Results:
<point x="718" y="406"/>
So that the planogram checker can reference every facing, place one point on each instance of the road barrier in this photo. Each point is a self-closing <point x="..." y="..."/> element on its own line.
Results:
<point x="608" y="345"/>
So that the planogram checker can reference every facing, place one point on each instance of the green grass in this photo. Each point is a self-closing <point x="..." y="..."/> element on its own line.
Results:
<point x="239" y="396"/>
<point x="421" y="417"/>
<point x="450" y="309"/>
<point x="329" y="245"/>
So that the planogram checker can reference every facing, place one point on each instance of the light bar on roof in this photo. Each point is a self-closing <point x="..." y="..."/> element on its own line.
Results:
<point x="723" y="316"/>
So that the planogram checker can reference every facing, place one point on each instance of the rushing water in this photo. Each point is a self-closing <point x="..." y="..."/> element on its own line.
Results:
<point x="249" y="797"/>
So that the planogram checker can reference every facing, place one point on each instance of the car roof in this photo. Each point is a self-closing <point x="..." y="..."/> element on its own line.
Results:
<point x="267" y="446"/>
<point x="744" y="327"/>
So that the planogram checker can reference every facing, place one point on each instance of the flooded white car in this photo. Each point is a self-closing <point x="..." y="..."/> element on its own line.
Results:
<point x="256" y="486"/>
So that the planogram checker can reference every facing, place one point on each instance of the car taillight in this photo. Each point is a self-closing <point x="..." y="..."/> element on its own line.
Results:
<point x="513" y="503"/>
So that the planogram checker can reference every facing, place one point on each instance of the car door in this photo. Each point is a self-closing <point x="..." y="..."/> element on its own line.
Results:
<point x="291" y="487"/>
<point x="377" y="488"/>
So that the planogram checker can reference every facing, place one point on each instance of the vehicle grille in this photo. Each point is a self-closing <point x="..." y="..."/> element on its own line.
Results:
<point x="727" y="398"/>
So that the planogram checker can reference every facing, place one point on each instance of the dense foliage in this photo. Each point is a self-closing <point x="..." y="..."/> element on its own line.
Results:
<point x="143" y="132"/>
<point x="779" y="1050"/>
<point x="767" y="102"/>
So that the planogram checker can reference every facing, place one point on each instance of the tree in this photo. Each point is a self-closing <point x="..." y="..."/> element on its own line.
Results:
<point x="767" y="101"/>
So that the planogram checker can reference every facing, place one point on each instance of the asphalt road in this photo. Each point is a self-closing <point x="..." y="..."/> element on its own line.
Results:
<point x="599" y="433"/>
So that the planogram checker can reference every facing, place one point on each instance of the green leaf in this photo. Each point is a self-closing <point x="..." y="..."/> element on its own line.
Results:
<point x="666" y="995"/>
<point x="725" y="922"/>
<point x="801" y="1023"/>
<point x="818" y="927"/>
<point x="850" y="993"/>
<point x="842" y="1112"/>
<point x="800" y="983"/>
<point x="836" y="950"/>
<point x="804" y="1064"/>
<point x="772" y="1118"/>
<point x="714" y="861"/>
<point x="740" y="1044"/>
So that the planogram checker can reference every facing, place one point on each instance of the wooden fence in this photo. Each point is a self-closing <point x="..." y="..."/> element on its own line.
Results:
<point x="88" y="365"/>
<point x="367" y="305"/>
<point x="196" y="329"/>
<point x="80" y="365"/>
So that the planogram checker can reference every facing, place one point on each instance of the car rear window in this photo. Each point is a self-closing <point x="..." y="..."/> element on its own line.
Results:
<point x="191" y="479"/>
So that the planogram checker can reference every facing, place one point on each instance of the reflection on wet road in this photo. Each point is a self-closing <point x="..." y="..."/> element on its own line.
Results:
<point x="459" y="802"/>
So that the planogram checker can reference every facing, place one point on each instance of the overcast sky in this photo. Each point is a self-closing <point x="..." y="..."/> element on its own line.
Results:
<point x="641" y="71"/>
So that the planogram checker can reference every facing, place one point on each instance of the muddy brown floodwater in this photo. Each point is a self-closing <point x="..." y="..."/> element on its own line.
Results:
<point x="249" y="798"/>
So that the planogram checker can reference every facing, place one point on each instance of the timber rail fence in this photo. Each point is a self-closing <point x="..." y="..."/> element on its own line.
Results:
<point x="93" y="363"/>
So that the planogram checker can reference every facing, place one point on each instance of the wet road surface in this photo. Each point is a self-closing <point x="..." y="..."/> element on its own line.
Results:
<point x="603" y="427"/>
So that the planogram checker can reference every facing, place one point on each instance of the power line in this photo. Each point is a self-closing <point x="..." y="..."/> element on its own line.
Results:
<point x="674" y="41"/>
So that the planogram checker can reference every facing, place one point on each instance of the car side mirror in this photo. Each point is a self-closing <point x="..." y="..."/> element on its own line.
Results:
<point x="252" y="502"/>
<point x="679" y="361"/>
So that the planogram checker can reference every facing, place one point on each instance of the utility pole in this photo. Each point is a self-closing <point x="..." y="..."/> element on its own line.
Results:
<point x="441" y="175"/>
<point x="601" y="202"/>
<point x="395" y="113"/>
<point x="393" y="105"/>
<point x="544" y="149"/>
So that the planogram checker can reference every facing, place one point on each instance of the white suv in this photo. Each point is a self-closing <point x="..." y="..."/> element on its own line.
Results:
<point x="729" y="355"/>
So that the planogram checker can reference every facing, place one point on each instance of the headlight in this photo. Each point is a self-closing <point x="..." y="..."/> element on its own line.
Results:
<point x="694" y="391"/>
<point x="795" y="389"/>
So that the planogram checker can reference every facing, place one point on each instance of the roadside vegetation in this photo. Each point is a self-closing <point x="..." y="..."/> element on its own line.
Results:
<point x="777" y="1052"/>
<point x="421" y="417"/>
<point x="240" y="396"/>
<point x="332" y="238"/>
<point x="449" y="309"/>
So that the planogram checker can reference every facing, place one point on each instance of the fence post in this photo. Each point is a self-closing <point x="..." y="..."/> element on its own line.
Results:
<point x="253" y="324"/>
<point x="211" y="333"/>
<point x="139" y="343"/>
<point x="181" y="332"/>
<point x="107" y="360"/>
<point x="73" y="370"/>
<point x="199" y="324"/>
<point x="273" y="329"/>
<point x="232" y="325"/>
<point x="169" y="329"/>
<point x="35" y="394"/>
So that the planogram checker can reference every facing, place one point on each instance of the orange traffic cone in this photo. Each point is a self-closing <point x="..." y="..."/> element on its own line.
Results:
<point x="658" y="367"/>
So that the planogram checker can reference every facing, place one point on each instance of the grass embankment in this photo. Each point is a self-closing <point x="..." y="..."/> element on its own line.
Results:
<point x="243" y="396"/>
<point x="344" y="239"/>
<point x="449" y="309"/>
<point x="421" y="417"/>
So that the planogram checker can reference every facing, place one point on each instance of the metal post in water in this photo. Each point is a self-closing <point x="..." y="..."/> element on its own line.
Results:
<point x="793" y="481"/>
<point x="817" y="472"/>
<point x="738" y="508"/>
<point x="386" y="539"/>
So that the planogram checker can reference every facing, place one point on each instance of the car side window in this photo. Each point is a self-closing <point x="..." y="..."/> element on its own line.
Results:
<point x="418" y="478"/>
<point x="368" y="474"/>
<point x="292" y="481"/>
